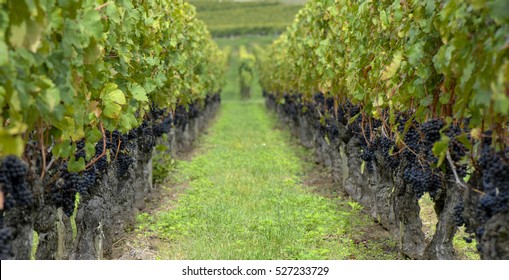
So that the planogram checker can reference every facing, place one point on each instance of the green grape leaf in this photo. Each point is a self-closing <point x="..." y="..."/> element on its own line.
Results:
<point x="501" y="103"/>
<point x="92" y="23"/>
<point x="440" y="149"/>
<point x="76" y="165"/>
<point x="93" y="135"/>
<point x="138" y="92"/>
<point x="128" y="121"/>
<point x="415" y="54"/>
<point x="11" y="145"/>
<point x="92" y="53"/>
<point x="62" y="149"/>
<point x="90" y="149"/>
<point x="464" y="140"/>
<point x="113" y="99"/>
<point x="4" y="53"/>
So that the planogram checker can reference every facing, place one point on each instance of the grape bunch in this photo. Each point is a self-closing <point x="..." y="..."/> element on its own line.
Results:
<point x="85" y="181"/>
<point x="458" y="209"/>
<point x="412" y="141"/>
<point x="319" y="98"/>
<point x="14" y="185"/>
<point x="385" y="145"/>
<point x="368" y="156"/>
<point x="163" y="127"/>
<point x="181" y="116"/>
<point x="193" y="111"/>
<point x="5" y="243"/>
<point x="329" y="104"/>
<point x="63" y="191"/>
<point x="422" y="179"/>
<point x="332" y="129"/>
<point x="431" y="130"/>
<point x="80" y="150"/>
<point x="102" y="164"/>
<point x="124" y="160"/>
<point x="495" y="182"/>
<point x="117" y="141"/>
<point x="156" y="112"/>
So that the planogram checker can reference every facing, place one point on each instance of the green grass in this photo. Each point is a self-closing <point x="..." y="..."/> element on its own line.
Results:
<point x="229" y="18"/>
<point x="246" y="199"/>
<point x="464" y="250"/>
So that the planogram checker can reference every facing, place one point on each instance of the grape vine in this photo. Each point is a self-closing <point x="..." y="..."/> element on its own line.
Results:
<point x="426" y="83"/>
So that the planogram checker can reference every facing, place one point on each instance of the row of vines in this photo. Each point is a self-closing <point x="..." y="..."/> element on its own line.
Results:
<point x="425" y="83"/>
<point x="80" y="79"/>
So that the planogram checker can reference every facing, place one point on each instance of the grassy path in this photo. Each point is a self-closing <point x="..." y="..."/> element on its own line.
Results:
<point x="245" y="197"/>
<point x="245" y="200"/>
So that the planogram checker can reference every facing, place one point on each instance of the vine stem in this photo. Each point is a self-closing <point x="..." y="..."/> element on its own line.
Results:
<point x="456" y="177"/>
<point x="1" y="200"/>
<point x="98" y="8"/>
<point x="413" y="152"/>
<point x="363" y="132"/>
<point x="43" y="150"/>
<point x="118" y="148"/>
<point x="104" y="148"/>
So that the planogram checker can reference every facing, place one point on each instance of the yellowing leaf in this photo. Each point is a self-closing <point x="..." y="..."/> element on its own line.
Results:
<point x="18" y="33"/>
<point x="476" y="133"/>
<point x="52" y="98"/>
<point x="112" y="99"/>
<point x="391" y="70"/>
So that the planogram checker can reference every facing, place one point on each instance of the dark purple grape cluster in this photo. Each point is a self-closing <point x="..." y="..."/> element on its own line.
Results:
<point x="156" y="112"/>
<point x="319" y="98"/>
<point x="117" y="141"/>
<point x="468" y="239"/>
<point x="329" y="105"/>
<point x="458" y="209"/>
<point x="422" y="179"/>
<point x="290" y="106"/>
<point x="331" y="129"/>
<point x="124" y="160"/>
<point x="181" y="116"/>
<point x="163" y="127"/>
<point x="385" y="145"/>
<point x="412" y="141"/>
<point x="86" y="180"/>
<point x="102" y="164"/>
<point x="193" y="110"/>
<point x="495" y="183"/>
<point x="63" y="192"/>
<point x="368" y="155"/>
<point x="147" y="135"/>
<point x="80" y="150"/>
<point x="17" y="192"/>
<point x="342" y="117"/>
<point x="431" y="130"/>
<point x="5" y="243"/>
